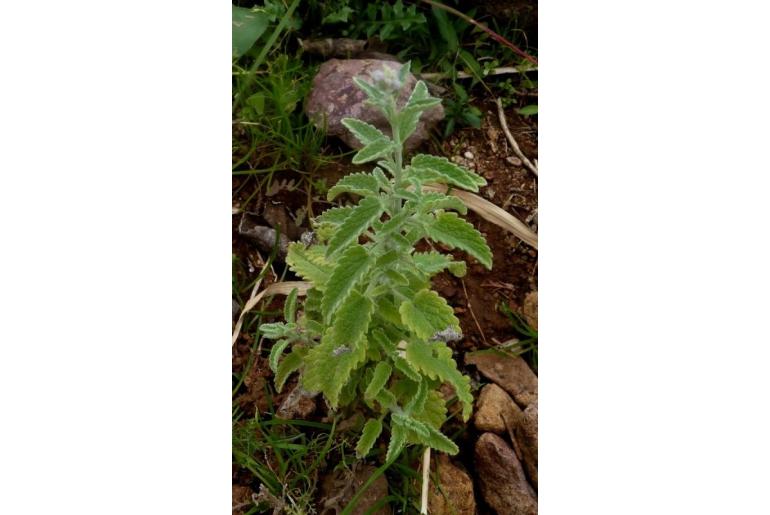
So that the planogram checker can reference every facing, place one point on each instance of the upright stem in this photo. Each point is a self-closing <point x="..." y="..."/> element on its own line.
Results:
<point x="398" y="154"/>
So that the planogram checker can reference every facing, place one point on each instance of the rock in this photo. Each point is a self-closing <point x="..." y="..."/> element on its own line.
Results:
<point x="455" y="496"/>
<point x="530" y="309"/>
<point x="338" y="488"/>
<point x="334" y="96"/>
<point x="264" y="236"/>
<point x="526" y="437"/>
<point x="493" y="408"/>
<point x="236" y="309"/>
<point x="279" y="219"/>
<point x="501" y="477"/>
<point x="513" y="160"/>
<point x="299" y="404"/>
<point x="512" y="374"/>
<point x="468" y="155"/>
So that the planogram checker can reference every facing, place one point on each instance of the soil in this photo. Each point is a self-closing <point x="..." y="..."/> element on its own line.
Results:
<point x="476" y="297"/>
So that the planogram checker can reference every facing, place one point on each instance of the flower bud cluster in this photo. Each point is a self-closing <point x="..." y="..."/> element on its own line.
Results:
<point x="386" y="80"/>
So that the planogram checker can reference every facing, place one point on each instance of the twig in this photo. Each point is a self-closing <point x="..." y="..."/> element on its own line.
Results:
<point x="512" y="140"/>
<point x="470" y="307"/>
<point x="503" y="70"/>
<point x="425" y="481"/>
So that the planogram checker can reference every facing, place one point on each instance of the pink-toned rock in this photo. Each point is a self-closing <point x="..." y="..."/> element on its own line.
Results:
<point x="512" y="374"/>
<point x="494" y="408"/>
<point x="454" y="494"/>
<point x="502" y="481"/>
<point x="334" y="96"/>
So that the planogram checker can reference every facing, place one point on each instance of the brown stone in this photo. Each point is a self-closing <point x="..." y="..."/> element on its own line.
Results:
<point x="526" y="437"/>
<point x="530" y="309"/>
<point x="502" y="481"/>
<point x="454" y="494"/>
<point x="493" y="408"/>
<point x="511" y="373"/>
<point x="335" y="96"/>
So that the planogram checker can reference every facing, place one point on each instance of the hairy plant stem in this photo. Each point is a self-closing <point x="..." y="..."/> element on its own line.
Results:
<point x="398" y="159"/>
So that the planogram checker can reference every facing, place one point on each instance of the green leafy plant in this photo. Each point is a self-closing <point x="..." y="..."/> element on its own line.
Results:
<point x="371" y="329"/>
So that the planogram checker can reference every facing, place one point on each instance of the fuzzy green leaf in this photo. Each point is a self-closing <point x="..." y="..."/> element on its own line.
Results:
<point x="307" y="264"/>
<point x="458" y="268"/>
<point x="276" y="330"/>
<point x="364" y="132"/>
<point x="382" y="179"/>
<point x="374" y="150"/>
<point x="397" y="442"/>
<point x="290" y="306"/>
<point x="289" y="364"/>
<point x="452" y="230"/>
<point x="434" y="359"/>
<point x="363" y="184"/>
<point x="360" y="218"/>
<point x="417" y="403"/>
<point x="433" y="411"/>
<point x="354" y="263"/>
<point x="388" y="165"/>
<point x="386" y="398"/>
<point x="373" y="93"/>
<point x="407" y="123"/>
<point x="437" y="440"/>
<point x="427" y="313"/>
<point x="434" y="201"/>
<point x="395" y="277"/>
<point x="431" y="262"/>
<point x="328" y="368"/>
<point x="369" y="435"/>
<point x="411" y="424"/>
<point x="276" y="352"/>
<point x="405" y="368"/>
<point x="335" y="215"/>
<point x="387" y="258"/>
<point x="403" y="72"/>
<point x="420" y="98"/>
<point x="395" y="223"/>
<point x="343" y="347"/>
<point x="379" y="379"/>
<point x="442" y="170"/>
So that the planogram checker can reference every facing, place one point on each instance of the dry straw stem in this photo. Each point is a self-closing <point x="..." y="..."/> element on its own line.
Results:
<point x="490" y="212"/>
<point x="283" y="288"/>
<point x="425" y="480"/>
<point x="512" y="140"/>
<point x="503" y="70"/>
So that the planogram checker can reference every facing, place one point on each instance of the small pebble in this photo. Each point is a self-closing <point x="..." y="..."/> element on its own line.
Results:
<point x="515" y="161"/>
<point x="468" y="154"/>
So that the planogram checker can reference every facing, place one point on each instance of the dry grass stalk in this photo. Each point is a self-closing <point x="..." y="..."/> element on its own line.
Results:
<point x="492" y="213"/>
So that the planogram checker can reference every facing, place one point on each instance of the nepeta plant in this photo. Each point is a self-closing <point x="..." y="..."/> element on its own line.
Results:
<point x="371" y="330"/>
